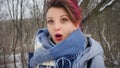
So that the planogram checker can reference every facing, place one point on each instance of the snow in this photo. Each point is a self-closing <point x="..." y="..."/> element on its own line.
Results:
<point x="115" y="62"/>
<point x="1" y="50"/>
<point x="109" y="3"/>
<point x="99" y="1"/>
<point x="11" y="63"/>
<point x="102" y="32"/>
<point x="80" y="2"/>
<point x="92" y="4"/>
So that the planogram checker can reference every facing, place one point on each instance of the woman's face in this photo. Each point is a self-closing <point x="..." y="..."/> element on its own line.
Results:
<point x="59" y="24"/>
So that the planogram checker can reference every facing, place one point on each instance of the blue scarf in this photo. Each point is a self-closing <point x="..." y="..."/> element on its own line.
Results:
<point x="71" y="47"/>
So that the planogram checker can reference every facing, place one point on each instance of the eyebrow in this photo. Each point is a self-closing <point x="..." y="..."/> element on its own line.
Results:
<point x="60" y="16"/>
<point x="48" y="17"/>
<point x="63" y="15"/>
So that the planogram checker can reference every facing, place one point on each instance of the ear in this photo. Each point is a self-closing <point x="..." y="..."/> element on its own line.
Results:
<point x="76" y="26"/>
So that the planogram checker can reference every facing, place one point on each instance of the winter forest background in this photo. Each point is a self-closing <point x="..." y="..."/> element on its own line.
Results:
<point x="20" y="19"/>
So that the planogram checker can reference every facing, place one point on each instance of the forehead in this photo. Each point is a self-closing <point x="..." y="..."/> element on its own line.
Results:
<point x="55" y="11"/>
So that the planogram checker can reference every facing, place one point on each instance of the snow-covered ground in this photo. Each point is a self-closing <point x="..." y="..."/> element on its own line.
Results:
<point x="11" y="65"/>
<point x="10" y="58"/>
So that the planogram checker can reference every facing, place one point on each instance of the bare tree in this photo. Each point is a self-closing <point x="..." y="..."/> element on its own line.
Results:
<point x="21" y="32"/>
<point x="21" y="35"/>
<point x="3" y="46"/>
<point x="17" y="18"/>
<point x="94" y="7"/>
<point x="36" y="11"/>
<point x="14" y="18"/>
<point x="103" y="16"/>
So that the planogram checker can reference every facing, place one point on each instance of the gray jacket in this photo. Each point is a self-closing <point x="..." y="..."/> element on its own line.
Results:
<point x="94" y="52"/>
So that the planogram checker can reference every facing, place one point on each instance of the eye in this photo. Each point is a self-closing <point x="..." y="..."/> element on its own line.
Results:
<point x="64" y="20"/>
<point x="50" y="21"/>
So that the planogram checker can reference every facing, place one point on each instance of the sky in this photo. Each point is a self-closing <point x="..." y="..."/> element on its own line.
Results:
<point x="27" y="5"/>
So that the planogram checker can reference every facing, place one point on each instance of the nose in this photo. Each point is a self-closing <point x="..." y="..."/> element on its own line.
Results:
<point x="57" y="27"/>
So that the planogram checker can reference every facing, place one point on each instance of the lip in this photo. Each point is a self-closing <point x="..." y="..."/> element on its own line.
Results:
<point x="58" y="37"/>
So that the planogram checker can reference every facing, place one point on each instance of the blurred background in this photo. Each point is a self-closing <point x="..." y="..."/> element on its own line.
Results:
<point x="20" y="19"/>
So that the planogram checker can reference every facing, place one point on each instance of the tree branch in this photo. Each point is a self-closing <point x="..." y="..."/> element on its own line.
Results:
<point x="97" y="9"/>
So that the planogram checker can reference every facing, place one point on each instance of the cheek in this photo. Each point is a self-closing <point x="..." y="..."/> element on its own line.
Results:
<point x="48" y="26"/>
<point x="70" y="29"/>
<point x="67" y="32"/>
<point x="50" y="30"/>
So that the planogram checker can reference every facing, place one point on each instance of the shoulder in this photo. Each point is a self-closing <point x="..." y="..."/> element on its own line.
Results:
<point x="40" y="34"/>
<point x="98" y="62"/>
<point x="94" y="43"/>
<point x="95" y="46"/>
<point x="94" y="52"/>
<point x="37" y="44"/>
<point x="97" y="54"/>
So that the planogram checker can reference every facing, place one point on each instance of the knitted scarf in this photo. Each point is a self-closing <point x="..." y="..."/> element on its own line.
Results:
<point x="72" y="46"/>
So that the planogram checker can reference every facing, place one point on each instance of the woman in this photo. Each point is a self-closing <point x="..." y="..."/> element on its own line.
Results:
<point x="62" y="44"/>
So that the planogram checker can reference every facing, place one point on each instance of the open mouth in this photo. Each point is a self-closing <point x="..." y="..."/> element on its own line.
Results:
<point x="58" y="37"/>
